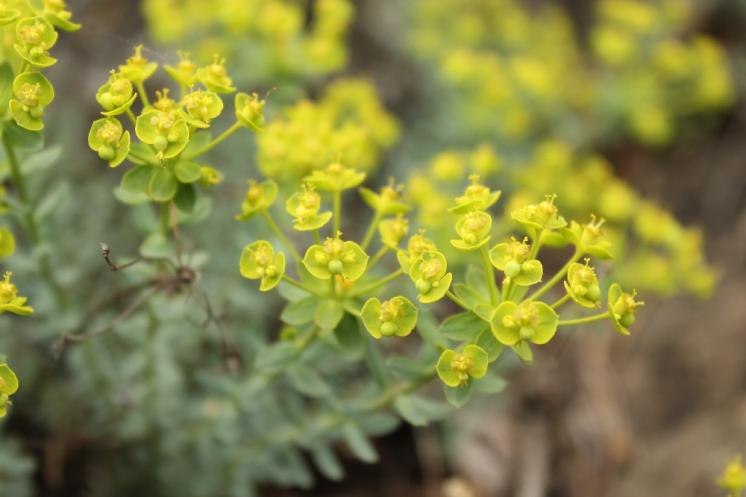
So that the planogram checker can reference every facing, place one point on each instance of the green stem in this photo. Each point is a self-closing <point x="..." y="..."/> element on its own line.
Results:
<point x="371" y="229"/>
<point x="278" y="232"/>
<point x="132" y="117"/>
<point x="508" y="286"/>
<point x="379" y="283"/>
<point x="489" y="273"/>
<point x="337" y="199"/>
<point x="143" y="94"/>
<point x="217" y="141"/>
<point x="333" y="286"/>
<point x="165" y="219"/>
<point x="457" y="300"/>
<point x="377" y="257"/>
<point x="561" y="301"/>
<point x="557" y="277"/>
<point x="45" y="267"/>
<point x="376" y="364"/>
<point x="587" y="319"/>
<point x="302" y="286"/>
<point x="316" y="236"/>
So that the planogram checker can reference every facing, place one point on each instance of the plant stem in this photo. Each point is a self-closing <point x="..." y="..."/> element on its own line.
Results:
<point x="457" y="300"/>
<point x="379" y="283"/>
<point x="165" y="219"/>
<point x="377" y="257"/>
<point x="371" y="229"/>
<point x="45" y="267"/>
<point x="561" y="301"/>
<point x="217" y="141"/>
<point x="587" y="319"/>
<point x="337" y="199"/>
<point x="316" y="236"/>
<point x="302" y="286"/>
<point x="143" y="94"/>
<point x="133" y="120"/>
<point x="375" y="362"/>
<point x="489" y="273"/>
<point x="278" y="232"/>
<point x="557" y="277"/>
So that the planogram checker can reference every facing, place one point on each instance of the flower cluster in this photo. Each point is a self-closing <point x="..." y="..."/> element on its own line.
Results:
<point x="270" y="38"/>
<point x="172" y="134"/>
<point x="641" y="73"/>
<point x="651" y="249"/>
<point x="30" y="34"/>
<point x="337" y="277"/>
<point x="348" y="122"/>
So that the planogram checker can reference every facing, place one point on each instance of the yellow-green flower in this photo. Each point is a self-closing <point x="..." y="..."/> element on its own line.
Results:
<point x="393" y="230"/>
<point x="10" y="301"/>
<point x="304" y="206"/>
<point x="589" y="238"/>
<point x="209" y="177"/>
<point x="582" y="284"/>
<point x="55" y="11"/>
<point x="387" y="202"/>
<point x="137" y="68"/>
<point x="117" y="95"/>
<point x="455" y="369"/>
<point x="8" y="386"/>
<point x="110" y="140"/>
<point x="35" y="36"/>
<point x="336" y="257"/>
<point x="336" y="177"/>
<point x="531" y="321"/>
<point x="259" y="262"/>
<point x="259" y="197"/>
<point x="164" y="130"/>
<point x="32" y="92"/>
<point x="733" y="478"/>
<point x="250" y="110"/>
<point x="476" y="197"/>
<point x="184" y="72"/>
<point x="215" y="77"/>
<point x="622" y="308"/>
<point x="396" y="316"/>
<point x="416" y="246"/>
<point x="474" y="229"/>
<point x="430" y="275"/>
<point x="201" y="107"/>
<point x="512" y="259"/>
<point x="543" y="215"/>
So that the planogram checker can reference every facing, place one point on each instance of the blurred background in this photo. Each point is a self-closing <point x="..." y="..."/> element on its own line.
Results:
<point x="630" y="109"/>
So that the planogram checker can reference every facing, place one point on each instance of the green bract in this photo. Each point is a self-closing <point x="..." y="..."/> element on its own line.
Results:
<point x="476" y="197"/>
<point x="185" y="72"/>
<point x="8" y="15"/>
<point x="32" y="92"/>
<point x="457" y="368"/>
<point x="215" y="77"/>
<point x="543" y="215"/>
<point x="387" y="202"/>
<point x="589" y="238"/>
<point x="304" y="207"/>
<point x="10" y="301"/>
<point x="582" y="285"/>
<point x="35" y="36"/>
<point x="259" y="262"/>
<point x="511" y="258"/>
<point x="622" y="308"/>
<point x="116" y="96"/>
<point x="535" y="322"/>
<point x="250" y="110"/>
<point x="259" y="197"/>
<point x="430" y="276"/>
<point x="164" y="130"/>
<point x="138" y="68"/>
<point x="336" y="257"/>
<point x="474" y="229"/>
<point x="8" y="386"/>
<point x="110" y="140"/>
<point x="55" y="11"/>
<point x="201" y="107"/>
<point x="7" y="242"/>
<point x="396" y="316"/>
<point x="393" y="230"/>
<point x="335" y="178"/>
